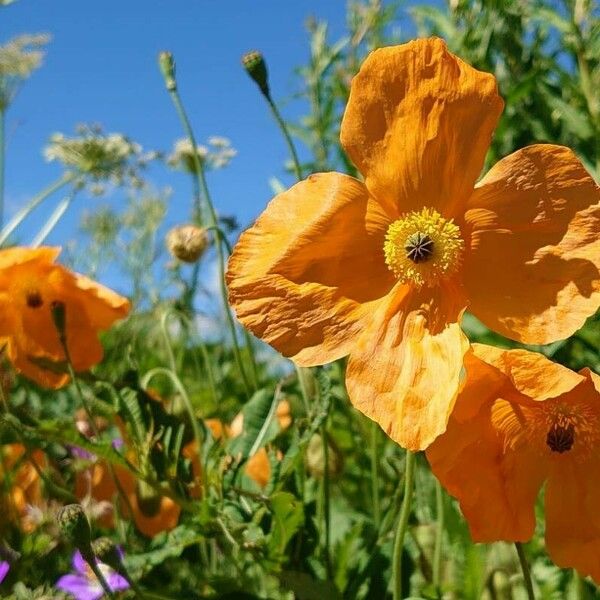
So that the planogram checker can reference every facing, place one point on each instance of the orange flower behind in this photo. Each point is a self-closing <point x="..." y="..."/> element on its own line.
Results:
<point x="520" y="421"/>
<point x="97" y="483"/>
<point x="30" y="282"/>
<point x="25" y="490"/>
<point x="383" y="269"/>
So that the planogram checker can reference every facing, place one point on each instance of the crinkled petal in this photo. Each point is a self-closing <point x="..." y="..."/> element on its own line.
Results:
<point x="418" y="124"/>
<point x="532" y="266"/>
<point x="305" y="276"/>
<point x="405" y="370"/>
<point x="530" y="373"/>
<point x="484" y="460"/>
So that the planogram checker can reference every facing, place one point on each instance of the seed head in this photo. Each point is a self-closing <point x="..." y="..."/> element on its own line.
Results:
<point x="187" y="242"/>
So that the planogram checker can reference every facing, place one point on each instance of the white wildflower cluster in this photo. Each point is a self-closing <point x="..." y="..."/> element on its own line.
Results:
<point x="216" y="154"/>
<point x="99" y="158"/>
<point x="19" y="57"/>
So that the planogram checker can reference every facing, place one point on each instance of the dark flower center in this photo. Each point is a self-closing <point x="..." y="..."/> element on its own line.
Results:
<point x="34" y="299"/>
<point x="560" y="438"/>
<point x="419" y="247"/>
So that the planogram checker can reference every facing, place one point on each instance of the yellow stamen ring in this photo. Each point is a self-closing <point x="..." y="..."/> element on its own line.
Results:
<point x="423" y="247"/>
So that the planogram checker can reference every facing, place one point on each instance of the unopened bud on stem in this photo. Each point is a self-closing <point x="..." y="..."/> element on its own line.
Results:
<point x="166" y="63"/>
<point x="255" y="66"/>
<point x="76" y="528"/>
<point x="187" y="242"/>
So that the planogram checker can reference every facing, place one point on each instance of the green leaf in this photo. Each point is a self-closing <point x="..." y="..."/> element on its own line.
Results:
<point x="305" y="587"/>
<point x="288" y="517"/>
<point x="259" y="428"/>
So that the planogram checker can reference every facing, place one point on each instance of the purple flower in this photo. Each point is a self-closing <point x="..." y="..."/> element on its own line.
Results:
<point x="4" y="568"/>
<point x="83" y="585"/>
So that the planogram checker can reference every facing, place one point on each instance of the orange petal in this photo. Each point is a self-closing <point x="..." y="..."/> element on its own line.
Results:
<point x="307" y="273"/>
<point x="418" y="124"/>
<point x="572" y="521"/>
<point x="485" y="460"/>
<point x="573" y="489"/>
<point x="532" y="269"/>
<point x="530" y="373"/>
<point x="18" y="255"/>
<point x="405" y="371"/>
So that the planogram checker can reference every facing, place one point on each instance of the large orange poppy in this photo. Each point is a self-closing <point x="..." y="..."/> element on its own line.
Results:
<point x="382" y="270"/>
<point x="520" y="421"/>
<point x="30" y="282"/>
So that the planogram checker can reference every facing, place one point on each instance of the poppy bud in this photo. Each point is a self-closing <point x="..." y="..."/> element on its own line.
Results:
<point x="166" y="63"/>
<point x="75" y="526"/>
<point x="255" y="66"/>
<point x="315" y="457"/>
<point x="106" y="552"/>
<point x="187" y="242"/>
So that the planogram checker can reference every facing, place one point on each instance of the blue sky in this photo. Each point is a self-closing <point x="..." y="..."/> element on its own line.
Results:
<point x="101" y="67"/>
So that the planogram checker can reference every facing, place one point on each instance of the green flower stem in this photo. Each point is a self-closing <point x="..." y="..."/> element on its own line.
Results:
<point x="375" y="474"/>
<point x="439" y="535"/>
<point x="526" y="571"/>
<point x="326" y="502"/>
<point x="2" y="152"/>
<point x="409" y="484"/>
<point x="88" y="411"/>
<point x="213" y="222"/>
<point x="198" y="435"/>
<point x="22" y="214"/>
<point x="99" y="576"/>
<point x="53" y="220"/>
<point x="286" y="134"/>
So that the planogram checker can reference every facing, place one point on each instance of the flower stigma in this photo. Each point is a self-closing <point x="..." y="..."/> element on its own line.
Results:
<point x="422" y="247"/>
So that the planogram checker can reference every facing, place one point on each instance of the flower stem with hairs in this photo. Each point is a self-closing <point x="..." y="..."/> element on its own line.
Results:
<point x="525" y="569"/>
<point x="409" y="484"/>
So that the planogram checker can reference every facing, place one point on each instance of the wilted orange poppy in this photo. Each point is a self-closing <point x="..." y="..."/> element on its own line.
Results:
<point x="382" y="270"/>
<point x="24" y="491"/>
<point x="520" y="421"/>
<point x="30" y="282"/>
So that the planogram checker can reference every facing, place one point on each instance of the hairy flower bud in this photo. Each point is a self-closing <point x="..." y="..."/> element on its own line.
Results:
<point x="166" y="63"/>
<point x="315" y="457"/>
<point x="106" y="552"/>
<point x="75" y="526"/>
<point x="255" y="66"/>
<point x="187" y="242"/>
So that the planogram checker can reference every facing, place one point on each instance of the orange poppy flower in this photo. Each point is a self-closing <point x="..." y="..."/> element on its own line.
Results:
<point x="25" y="490"/>
<point x="30" y="282"/>
<point x="520" y="421"/>
<point x="382" y="270"/>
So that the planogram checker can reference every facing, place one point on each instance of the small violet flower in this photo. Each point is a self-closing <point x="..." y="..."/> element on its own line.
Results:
<point x="4" y="569"/>
<point x="83" y="584"/>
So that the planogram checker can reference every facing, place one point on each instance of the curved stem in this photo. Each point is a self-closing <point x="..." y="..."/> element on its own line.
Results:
<point x="213" y="222"/>
<point x="409" y="484"/>
<point x="439" y="535"/>
<point x="286" y="135"/>
<point x="525" y="569"/>
<point x="22" y="214"/>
